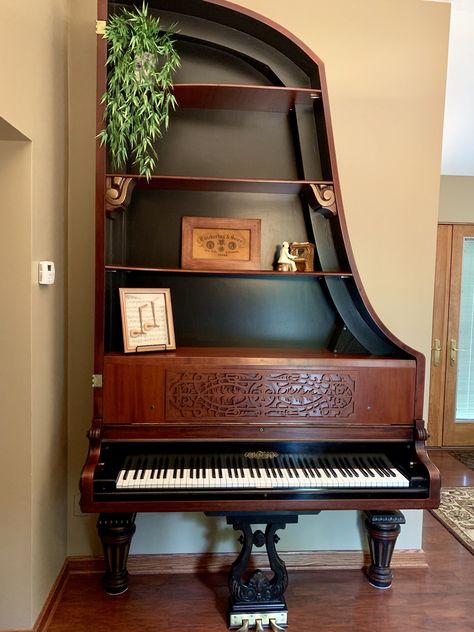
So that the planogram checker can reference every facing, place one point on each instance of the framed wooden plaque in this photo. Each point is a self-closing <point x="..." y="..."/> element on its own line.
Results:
<point x="220" y="243"/>
<point x="147" y="319"/>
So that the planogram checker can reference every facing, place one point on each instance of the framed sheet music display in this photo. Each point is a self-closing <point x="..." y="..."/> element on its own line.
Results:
<point x="147" y="319"/>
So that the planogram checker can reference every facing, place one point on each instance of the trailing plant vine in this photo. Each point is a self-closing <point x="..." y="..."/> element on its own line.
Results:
<point x="141" y="62"/>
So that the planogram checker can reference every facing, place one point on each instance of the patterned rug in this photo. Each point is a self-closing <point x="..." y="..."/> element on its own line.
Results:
<point x="456" y="513"/>
<point x="465" y="456"/>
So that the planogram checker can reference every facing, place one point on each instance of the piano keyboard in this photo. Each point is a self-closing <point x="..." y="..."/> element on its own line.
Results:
<point x="236" y="471"/>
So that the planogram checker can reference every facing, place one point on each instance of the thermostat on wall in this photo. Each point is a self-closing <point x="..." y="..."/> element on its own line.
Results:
<point x="46" y="272"/>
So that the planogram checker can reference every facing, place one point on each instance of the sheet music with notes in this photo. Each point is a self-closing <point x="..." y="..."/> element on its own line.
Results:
<point x="146" y="319"/>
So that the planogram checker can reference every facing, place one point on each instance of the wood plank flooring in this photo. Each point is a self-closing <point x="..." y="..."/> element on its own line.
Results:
<point x="439" y="598"/>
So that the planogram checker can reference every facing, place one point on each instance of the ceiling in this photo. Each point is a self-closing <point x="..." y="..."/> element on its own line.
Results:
<point x="458" y="137"/>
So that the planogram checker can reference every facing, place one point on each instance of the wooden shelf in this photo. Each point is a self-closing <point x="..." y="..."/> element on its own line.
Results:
<point x="254" y="273"/>
<point x="243" y="97"/>
<point x="231" y="185"/>
<point x="262" y="355"/>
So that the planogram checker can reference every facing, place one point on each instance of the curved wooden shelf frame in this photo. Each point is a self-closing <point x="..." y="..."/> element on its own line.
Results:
<point x="319" y="274"/>
<point x="118" y="190"/>
<point x="243" y="97"/>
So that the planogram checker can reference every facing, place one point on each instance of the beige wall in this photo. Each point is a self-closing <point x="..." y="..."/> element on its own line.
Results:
<point x="34" y="430"/>
<point x="15" y="381"/>
<point x="385" y="63"/>
<point x="456" y="200"/>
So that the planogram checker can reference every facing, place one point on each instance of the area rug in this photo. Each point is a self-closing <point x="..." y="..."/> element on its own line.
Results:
<point x="456" y="513"/>
<point x="465" y="456"/>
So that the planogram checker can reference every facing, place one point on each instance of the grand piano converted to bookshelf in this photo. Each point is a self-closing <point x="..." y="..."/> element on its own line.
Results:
<point x="284" y="393"/>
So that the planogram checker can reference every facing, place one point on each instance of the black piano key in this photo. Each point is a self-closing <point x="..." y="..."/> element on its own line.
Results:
<point x="213" y="467"/>
<point x="385" y="468"/>
<point x="137" y="468"/>
<point x="360" y="463"/>
<point x="159" y="465"/>
<point x="144" y="468"/>
<point x="309" y="468"/>
<point x="191" y="467"/>
<point x="175" y="467"/>
<point x="228" y="462"/>
<point x="316" y="469"/>
<point x="235" y="465"/>
<point x="375" y="467"/>
<point x="219" y="467"/>
<point x="242" y="467"/>
<point x="127" y="466"/>
<point x="277" y="467"/>
<point x="293" y="466"/>
<point x="330" y="468"/>
<point x="302" y="466"/>
<point x="353" y="472"/>
<point x="287" y="467"/>
<point x="340" y="466"/>
<point x="322" y="465"/>
<point x="181" y="468"/>
<point x="273" y="471"/>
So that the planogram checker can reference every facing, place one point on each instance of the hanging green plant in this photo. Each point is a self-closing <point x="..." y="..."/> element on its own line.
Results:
<point x="141" y="62"/>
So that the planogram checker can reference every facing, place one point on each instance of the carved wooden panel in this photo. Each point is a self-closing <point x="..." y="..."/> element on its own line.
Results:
<point x="258" y="394"/>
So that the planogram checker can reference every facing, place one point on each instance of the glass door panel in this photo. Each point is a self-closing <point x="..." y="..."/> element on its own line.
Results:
<point x="458" y="427"/>
<point x="463" y="355"/>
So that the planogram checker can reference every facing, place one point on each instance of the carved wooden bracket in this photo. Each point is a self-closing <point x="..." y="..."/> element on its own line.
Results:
<point x="118" y="192"/>
<point x="421" y="434"/>
<point x="321" y="198"/>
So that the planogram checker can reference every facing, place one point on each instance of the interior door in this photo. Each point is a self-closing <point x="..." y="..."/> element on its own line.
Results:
<point x="458" y="424"/>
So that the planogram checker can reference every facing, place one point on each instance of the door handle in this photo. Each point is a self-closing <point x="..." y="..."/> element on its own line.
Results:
<point x="436" y="351"/>
<point x="453" y="352"/>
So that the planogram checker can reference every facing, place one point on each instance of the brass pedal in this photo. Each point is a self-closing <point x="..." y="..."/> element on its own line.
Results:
<point x="245" y="626"/>
<point x="274" y="626"/>
<point x="259" y="626"/>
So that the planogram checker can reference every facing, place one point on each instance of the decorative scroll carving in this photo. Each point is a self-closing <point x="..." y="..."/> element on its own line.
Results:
<point x="258" y="588"/>
<point x="118" y="192"/>
<point x="256" y="592"/>
<point x="421" y="434"/>
<point x="249" y="394"/>
<point x="321" y="198"/>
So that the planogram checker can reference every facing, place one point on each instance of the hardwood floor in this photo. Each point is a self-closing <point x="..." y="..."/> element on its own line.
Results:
<point x="439" y="598"/>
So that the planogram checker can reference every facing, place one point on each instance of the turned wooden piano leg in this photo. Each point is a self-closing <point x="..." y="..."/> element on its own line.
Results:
<point x="383" y="528"/>
<point x="116" y="531"/>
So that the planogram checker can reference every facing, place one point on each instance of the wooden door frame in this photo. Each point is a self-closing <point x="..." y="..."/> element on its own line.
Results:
<point x="455" y="433"/>
<point x="445" y="326"/>
<point x="439" y="332"/>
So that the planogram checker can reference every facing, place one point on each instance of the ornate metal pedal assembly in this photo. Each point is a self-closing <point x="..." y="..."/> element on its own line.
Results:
<point x="255" y="599"/>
